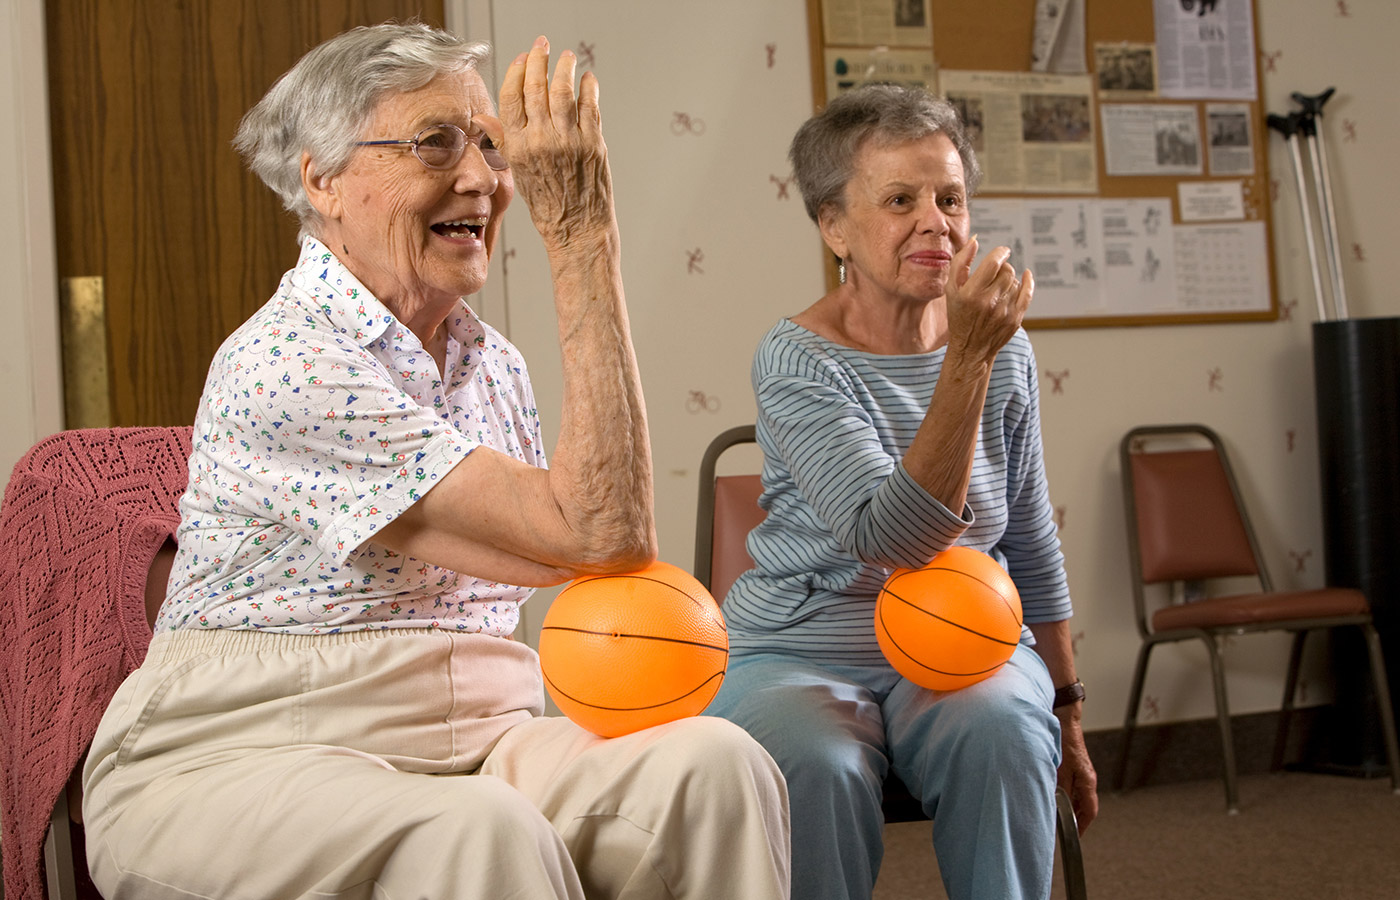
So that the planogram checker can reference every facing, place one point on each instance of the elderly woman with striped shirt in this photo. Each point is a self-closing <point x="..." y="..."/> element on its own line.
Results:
<point x="899" y="415"/>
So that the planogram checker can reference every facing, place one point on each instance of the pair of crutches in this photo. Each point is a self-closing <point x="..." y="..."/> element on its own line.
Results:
<point x="1303" y="125"/>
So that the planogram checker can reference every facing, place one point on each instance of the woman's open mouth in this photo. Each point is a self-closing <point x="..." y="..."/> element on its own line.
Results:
<point x="462" y="229"/>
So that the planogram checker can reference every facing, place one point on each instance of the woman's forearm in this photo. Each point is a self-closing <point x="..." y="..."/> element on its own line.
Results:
<point x="941" y="455"/>
<point x="601" y="470"/>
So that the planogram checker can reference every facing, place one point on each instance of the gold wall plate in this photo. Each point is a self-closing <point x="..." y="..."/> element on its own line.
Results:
<point x="87" y="392"/>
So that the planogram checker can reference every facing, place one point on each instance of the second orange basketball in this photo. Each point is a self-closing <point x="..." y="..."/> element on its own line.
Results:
<point x="625" y="652"/>
<point x="950" y="623"/>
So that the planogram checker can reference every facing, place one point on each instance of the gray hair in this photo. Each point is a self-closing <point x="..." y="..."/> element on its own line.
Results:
<point x="824" y="149"/>
<point x="324" y="102"/>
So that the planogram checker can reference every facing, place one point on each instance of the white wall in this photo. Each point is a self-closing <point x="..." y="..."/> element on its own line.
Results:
<point x="679" y="191"/>
<point x="32" y="403"/>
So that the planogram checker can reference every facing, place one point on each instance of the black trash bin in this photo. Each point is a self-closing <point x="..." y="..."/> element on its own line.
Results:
<point x="1356" y="366"/>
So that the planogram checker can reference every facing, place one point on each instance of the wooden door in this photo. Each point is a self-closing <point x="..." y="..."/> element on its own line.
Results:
<point x="154" y="211"/>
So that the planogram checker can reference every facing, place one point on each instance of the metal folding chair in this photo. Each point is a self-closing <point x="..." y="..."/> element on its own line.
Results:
<point x="1187" y="524"/>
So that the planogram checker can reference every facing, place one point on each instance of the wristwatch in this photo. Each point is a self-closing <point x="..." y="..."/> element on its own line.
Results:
<point x="1070" y="693"/>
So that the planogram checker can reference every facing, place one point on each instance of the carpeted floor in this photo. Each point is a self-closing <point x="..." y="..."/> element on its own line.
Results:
<point x="1305" y="836"/>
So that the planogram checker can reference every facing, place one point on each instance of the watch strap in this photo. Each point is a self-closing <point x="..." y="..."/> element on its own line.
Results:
<point x="1070" y="693"/>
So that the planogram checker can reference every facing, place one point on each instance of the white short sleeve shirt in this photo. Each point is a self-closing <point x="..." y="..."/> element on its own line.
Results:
<point x="324" y="418"/>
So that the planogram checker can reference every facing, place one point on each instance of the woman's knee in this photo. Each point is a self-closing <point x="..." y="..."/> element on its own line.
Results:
<point x="824" y="731"/>
<point x="483" y="816"/>
<point x="486" y="800"/>
<point x="715" y="751"/>
<point x="999" y="732"/>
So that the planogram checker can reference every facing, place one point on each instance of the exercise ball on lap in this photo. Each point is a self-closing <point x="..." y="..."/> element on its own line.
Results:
<point x="625" y="652"/>
<point x="950" y="623"/>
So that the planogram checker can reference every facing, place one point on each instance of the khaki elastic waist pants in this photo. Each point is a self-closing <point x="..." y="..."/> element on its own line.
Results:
<point x="410" y="764"/>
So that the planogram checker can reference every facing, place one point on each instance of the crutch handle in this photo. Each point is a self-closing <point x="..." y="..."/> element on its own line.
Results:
<point x="1312" y="106"/>
<point x="1285" y="125"/>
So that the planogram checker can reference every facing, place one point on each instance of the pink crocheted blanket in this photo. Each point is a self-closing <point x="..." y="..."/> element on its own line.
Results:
<point x="83" y="516"/>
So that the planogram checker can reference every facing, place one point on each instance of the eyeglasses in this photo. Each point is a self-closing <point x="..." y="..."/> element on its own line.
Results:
<point x="441" y="147"/>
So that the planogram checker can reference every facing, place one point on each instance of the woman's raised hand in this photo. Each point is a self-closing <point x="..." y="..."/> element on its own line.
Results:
<point x="553" y="141"/>
<point x="985" y="307"/>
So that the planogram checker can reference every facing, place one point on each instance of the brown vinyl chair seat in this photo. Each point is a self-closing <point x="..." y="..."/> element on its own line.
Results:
<point x="1246" y="611"/>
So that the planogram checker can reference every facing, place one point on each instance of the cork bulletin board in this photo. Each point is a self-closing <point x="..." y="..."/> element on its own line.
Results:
<point x="1137" y="191"/>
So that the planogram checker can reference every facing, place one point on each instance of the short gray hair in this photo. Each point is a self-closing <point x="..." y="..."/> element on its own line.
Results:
<point x="824" y="149"/>
<point x="324" y="102"/>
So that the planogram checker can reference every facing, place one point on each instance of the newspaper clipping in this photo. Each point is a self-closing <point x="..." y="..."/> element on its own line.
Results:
<point x="892" y="23"/>
<point x="1205" y="49"/>
<point x="1231" y="141"/>
<point x="1151" y="139"/>
<point x="1126" y="69"/>
<point x="1034" y="133"/>
<point x="850" y="67"/>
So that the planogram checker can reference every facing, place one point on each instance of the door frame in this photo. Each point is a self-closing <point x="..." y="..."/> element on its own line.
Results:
<point x="33" y="257"/>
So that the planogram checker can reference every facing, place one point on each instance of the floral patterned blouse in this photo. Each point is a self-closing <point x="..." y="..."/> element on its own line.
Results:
<point x="322" y="419"/>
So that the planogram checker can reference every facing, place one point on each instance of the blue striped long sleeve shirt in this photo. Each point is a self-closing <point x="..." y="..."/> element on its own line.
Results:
<point x="843" y="512"/>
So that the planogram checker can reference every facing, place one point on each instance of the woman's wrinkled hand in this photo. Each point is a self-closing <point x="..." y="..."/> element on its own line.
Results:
<point x="553" y="141"/>
<point x="1076" y="773"/>
<point x="985" y="307"/>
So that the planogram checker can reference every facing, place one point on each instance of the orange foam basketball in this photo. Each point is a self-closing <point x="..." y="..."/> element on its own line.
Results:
<point x="951" y="623"/>
<point x="626" y="652"/>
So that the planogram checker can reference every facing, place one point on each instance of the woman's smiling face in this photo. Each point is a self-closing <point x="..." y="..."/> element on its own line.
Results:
<point x="416" y="237"/>
<point x="905" y="216"/>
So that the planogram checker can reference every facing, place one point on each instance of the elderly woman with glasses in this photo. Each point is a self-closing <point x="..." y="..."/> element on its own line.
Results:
<point x="332" y="705"/>
<point x="898" y="416"/>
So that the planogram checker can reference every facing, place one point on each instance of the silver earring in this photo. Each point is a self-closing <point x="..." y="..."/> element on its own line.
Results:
<point x="841" y="270"/>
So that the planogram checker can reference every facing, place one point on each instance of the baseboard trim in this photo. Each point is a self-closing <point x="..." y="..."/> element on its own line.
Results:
<point x="1172" y="752"/>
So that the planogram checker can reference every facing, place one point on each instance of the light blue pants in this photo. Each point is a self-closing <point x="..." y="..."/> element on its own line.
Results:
<point x="981" y="759"/>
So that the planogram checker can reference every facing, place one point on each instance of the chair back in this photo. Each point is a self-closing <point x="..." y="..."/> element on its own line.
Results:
<point x="85" y="553"/>
<point x="736" y="514"/>
<point x="727" y="511"/>
<point x="1185" y="516"/>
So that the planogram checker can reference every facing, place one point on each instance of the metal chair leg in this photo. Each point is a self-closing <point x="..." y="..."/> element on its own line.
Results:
<point x="1222" y="713"/>
<point x="58" y="852"/>
<point x="1071" y="854"/>
<point x="1130" y="719"/>
<point x="1290" y="688"/>
<point x="1378" y="675"/>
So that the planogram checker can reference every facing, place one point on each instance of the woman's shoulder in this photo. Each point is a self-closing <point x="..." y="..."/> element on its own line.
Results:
<point x="788" y="342"/>
<point x="286" y="328"/>
<point x="790" y="351"/>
